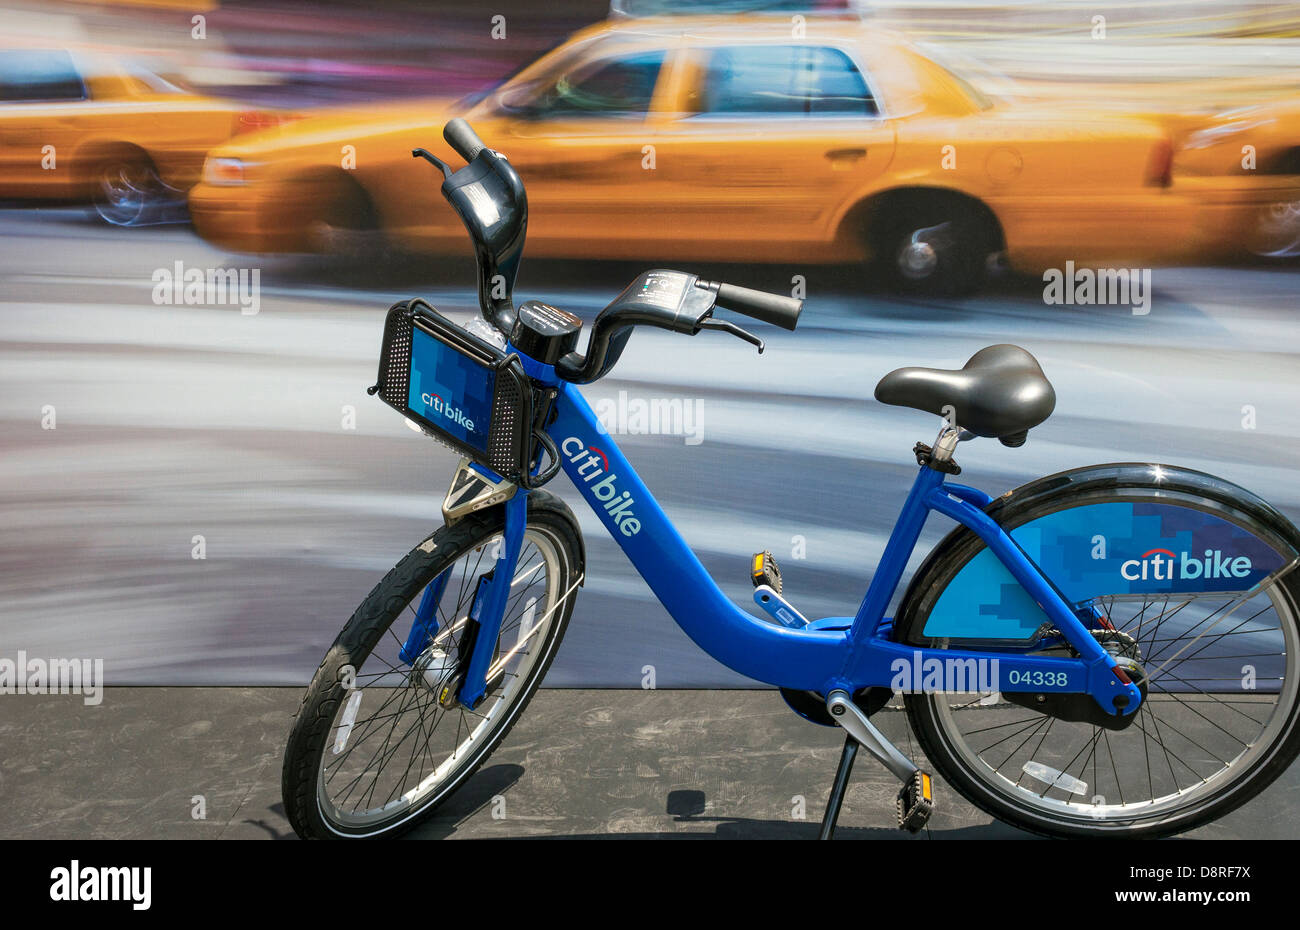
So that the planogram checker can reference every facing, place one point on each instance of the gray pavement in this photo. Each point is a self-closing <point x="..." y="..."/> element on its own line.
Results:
<point x="580" y="763"/>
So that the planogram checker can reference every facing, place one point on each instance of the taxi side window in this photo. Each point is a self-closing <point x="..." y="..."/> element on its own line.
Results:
<point x="790" y="80"/>
<point x="610" y="87"/>
<point x="30" y="75"/>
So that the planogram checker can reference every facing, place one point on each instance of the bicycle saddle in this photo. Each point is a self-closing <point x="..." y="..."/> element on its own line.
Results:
<point x="1000" y="392"/>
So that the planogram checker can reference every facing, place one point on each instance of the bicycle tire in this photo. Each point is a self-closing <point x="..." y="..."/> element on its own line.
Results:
<point x="302" y="775"/>
<point x="1051" y="495"/>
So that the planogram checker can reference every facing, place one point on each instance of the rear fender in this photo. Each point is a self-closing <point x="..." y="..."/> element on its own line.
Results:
<point x="1101" y="530"/>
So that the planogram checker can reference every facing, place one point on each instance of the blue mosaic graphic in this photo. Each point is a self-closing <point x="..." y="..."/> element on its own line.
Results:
<point x="450" y="390"/>
<point x="1102" y="549"/>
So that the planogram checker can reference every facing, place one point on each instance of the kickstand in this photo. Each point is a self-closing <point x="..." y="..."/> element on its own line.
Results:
<point x="837" y="789"/>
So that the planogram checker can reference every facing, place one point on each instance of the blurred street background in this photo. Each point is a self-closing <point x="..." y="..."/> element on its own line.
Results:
<point x="330" y="51"/>
<point x="178" y="422"/>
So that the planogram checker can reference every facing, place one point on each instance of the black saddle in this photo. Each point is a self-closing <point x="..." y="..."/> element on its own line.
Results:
<point x="1000" y="392"/>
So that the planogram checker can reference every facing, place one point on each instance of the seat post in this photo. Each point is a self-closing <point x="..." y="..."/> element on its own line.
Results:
<point x="946" y="444"/>
<point x="940" y="458"/>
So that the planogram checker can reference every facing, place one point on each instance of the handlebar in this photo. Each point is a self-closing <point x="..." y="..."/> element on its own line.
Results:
<point x="678" y="302"/>
<point x="767" y="308"/>
<point x="463" y="139"/>
<point x="488" y="196"/>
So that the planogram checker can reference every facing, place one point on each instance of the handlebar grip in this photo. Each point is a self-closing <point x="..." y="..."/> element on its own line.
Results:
<point x="462" y="137"/>
<point x="769" y="308"/>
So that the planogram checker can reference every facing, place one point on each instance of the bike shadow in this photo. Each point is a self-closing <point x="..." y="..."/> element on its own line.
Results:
<point x="685" y="807"/>
<point x="468" y="800"/>
<point x="690" y="806"/>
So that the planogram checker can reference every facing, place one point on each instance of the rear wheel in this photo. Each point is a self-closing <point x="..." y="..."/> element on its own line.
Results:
<point x="373" y="751"/>
<point x="1219" y="721"/>
<point x="341" y="220"/>
<point x="127" y="189"/>
<point x="933" y="244"/>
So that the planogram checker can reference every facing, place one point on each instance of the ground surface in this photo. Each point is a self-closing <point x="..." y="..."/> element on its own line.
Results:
<point x="580" y="763"/>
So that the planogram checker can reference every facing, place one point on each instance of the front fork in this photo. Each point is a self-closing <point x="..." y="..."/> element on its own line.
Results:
<point x="486" y="611"/>
<point x="425" y="627"/>
<point x="490" y="599"/>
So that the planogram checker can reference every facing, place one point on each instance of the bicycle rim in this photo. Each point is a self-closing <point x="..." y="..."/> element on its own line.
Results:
<point x="392" y="750"/>
<point x="1221" y="703"/>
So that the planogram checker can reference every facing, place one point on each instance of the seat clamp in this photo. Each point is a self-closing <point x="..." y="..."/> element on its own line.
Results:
<point x="925" y="456"/>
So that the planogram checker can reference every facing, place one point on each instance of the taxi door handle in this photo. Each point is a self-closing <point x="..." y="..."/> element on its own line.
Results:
<point x="846" y="154"/>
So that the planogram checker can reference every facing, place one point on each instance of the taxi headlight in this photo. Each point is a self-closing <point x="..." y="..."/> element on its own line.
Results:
<point x="223" y="171"/>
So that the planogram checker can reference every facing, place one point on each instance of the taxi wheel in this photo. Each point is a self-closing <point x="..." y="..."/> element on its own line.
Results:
<point x="126" y="189"/>
<point x="344" y="225"/>
<point x="1277" y="231"/>
<point x="938" y="247"/>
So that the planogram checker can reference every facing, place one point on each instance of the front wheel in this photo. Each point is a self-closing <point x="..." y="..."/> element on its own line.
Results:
<point x="1181" y="576"/>
<point x="1276" y="233"/>
<point x="373" y="750"/>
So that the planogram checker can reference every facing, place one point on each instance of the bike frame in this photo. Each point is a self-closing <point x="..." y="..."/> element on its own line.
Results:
<point x="833" y="653"/>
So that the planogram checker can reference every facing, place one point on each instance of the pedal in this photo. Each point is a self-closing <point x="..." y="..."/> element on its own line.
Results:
<point x="764" y="571"/>
<point x="915" y="802"/>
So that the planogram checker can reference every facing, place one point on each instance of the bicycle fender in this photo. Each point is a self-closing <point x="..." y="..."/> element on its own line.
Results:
<point x="1125" y="528"/>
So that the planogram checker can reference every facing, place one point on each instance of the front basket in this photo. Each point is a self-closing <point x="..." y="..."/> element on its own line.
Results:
<point x="457" y="388"/>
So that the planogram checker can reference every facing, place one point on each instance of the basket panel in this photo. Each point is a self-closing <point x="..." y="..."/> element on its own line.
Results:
<point x="509" y="445"/>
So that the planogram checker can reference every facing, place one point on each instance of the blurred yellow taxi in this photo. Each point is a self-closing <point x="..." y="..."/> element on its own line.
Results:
<point x="724" y="138"/>
<point x="1240" y="155"/>
<point x="84" y="127"/>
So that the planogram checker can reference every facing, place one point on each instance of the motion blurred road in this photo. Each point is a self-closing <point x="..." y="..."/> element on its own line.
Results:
<point x="175" y="422"/>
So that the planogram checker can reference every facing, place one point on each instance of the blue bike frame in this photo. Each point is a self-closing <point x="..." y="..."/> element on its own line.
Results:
<point x="834" y="653"/>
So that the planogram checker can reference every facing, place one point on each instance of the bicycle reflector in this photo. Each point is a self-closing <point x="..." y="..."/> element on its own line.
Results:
<point x="457" y="388"/>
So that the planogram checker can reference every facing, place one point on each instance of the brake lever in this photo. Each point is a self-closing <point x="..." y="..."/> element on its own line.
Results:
<point x="423" y="153"/>
<point x="726" y="326"/>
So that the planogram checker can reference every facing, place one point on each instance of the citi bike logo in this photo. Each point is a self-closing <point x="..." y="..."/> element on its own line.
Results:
<point x="444" y="409"/>
<point x="1164" y="565"/>
<point x="595" y="467"/>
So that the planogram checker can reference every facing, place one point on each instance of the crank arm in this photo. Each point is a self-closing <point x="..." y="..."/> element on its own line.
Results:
<point x="778" y="608"/>
<point x="916" y="797"/>
<point x="849" y="716"/>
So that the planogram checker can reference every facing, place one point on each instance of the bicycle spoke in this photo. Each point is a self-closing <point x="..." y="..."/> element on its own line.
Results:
<point x="1197" y="719"/>
<point x="406" y="744"/>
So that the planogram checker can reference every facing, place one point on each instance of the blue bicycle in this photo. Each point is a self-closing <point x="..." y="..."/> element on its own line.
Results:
<point x="1102" y="652"/>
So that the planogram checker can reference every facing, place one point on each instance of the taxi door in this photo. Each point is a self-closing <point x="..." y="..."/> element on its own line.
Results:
<point x="585" y="145"/>
<point x="41" y="94"/>
<point x="772" y="141"/>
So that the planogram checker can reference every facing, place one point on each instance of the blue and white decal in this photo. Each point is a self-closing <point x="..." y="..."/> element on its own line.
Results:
<point x="1121" y="547"/>
<point x="450" y="390"/>
<point x="592" y="476"/>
